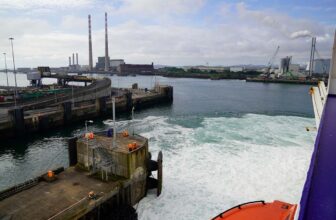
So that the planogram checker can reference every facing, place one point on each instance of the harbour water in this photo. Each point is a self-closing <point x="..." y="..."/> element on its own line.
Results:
<point x="224" y="142"/>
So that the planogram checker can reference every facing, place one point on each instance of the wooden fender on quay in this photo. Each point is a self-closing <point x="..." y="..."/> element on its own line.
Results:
<point x="17" y="117"/>
<point x="102" y="105"/>
<point x="152" y="165"/>
<point x="159" y="161"/>
<point x="67" y="112"/>
<point x="169" y="93"/>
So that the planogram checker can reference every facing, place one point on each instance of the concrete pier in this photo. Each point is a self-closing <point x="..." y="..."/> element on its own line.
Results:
<point x="48" y="114"/>
<point x="102" y="181"/>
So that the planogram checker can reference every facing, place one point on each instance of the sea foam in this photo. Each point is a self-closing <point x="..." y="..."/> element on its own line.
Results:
<point x="224" y="161"/>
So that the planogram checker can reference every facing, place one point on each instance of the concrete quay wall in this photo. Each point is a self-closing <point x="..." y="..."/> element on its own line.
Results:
<point x="21" y="122"/>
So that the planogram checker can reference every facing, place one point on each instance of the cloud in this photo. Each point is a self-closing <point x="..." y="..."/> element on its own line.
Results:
<point x="32" y="4"/>
<point x="17" y="27"/>
<point x="51" y="49"/>
<point x="71" y="22"/>
<point x="37" y="42"/>
<point x="299" y="34"/>
<point x="147" y="8"/>
<point x="236" y="35"/>
<point x="262" y="17"/>
<point x="283" y="24"/>
<point x="292" y="34"/>
<point x="315" y="9"/>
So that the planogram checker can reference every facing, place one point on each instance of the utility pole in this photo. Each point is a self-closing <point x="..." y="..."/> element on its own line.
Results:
<point x="15" y="92"/>
<point x="133" y="120"/>
<point x="114" y="122"/>
<point x="6" y="69"/>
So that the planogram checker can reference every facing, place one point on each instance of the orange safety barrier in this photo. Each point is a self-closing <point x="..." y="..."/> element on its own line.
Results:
<point x="89" y="135"/>
<point x="132" y="146"/>
<point x="50" y="174"/>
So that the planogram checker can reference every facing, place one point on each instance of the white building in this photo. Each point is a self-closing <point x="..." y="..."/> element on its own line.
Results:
<point x="236" y="69"/>
<point x="116" y="62"/>
<point x="209" y="68"/>
<point x="294" y="68"/>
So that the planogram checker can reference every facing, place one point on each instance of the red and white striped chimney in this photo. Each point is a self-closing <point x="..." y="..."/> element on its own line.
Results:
<point x="90" y="45"/>
<point x="107" y="61"/>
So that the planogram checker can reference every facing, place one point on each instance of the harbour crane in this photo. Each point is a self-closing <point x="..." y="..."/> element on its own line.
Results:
<point x="270" y="62"/>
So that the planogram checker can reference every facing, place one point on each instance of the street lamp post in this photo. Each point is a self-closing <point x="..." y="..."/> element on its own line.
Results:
<point x="86" y="122"/>
<point x="114" y="123"/>
<point x="6" y="69"/>
<point x="133" y="119"/>
<point x="15" y="92"/>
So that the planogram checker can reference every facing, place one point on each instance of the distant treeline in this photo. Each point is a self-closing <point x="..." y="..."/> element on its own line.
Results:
<point x="212" y="74"/>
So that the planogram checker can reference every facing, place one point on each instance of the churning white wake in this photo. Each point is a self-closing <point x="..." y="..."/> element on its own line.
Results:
<point x="211" y="164"/>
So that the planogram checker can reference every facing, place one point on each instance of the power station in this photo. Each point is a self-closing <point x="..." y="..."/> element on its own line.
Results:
<point x="72" y="64"/>
<point x="105" y="61"/>
<point x="105" y="64"/>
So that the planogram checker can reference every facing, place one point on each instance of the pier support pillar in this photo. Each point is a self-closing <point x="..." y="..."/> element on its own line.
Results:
<point x="67" y="112"/>
<point x="17" y="116"/>
<point x="169" y="93"/>
<point x="72" y="150"/>
<point x="129" y="101"/>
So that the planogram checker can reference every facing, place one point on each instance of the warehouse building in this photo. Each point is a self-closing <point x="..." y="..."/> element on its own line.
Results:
<point x="136" y="69"/>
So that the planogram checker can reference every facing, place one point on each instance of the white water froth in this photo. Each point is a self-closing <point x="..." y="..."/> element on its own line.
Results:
<point x="226" y="161"/>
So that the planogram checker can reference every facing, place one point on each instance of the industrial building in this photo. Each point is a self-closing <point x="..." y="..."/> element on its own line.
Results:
<point x="72" y="64"/>
<point x="236" y="69"/>
<point x="114" y="64"/>
<point x="135" y="69"/>
<point x="24" y="70"/>
<point x="284" y="64"/>
<point x="119" y="65"/>
<point x="100" y="65"/>
<point x="321" y="66"/>
<point x="294" y="68"/>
